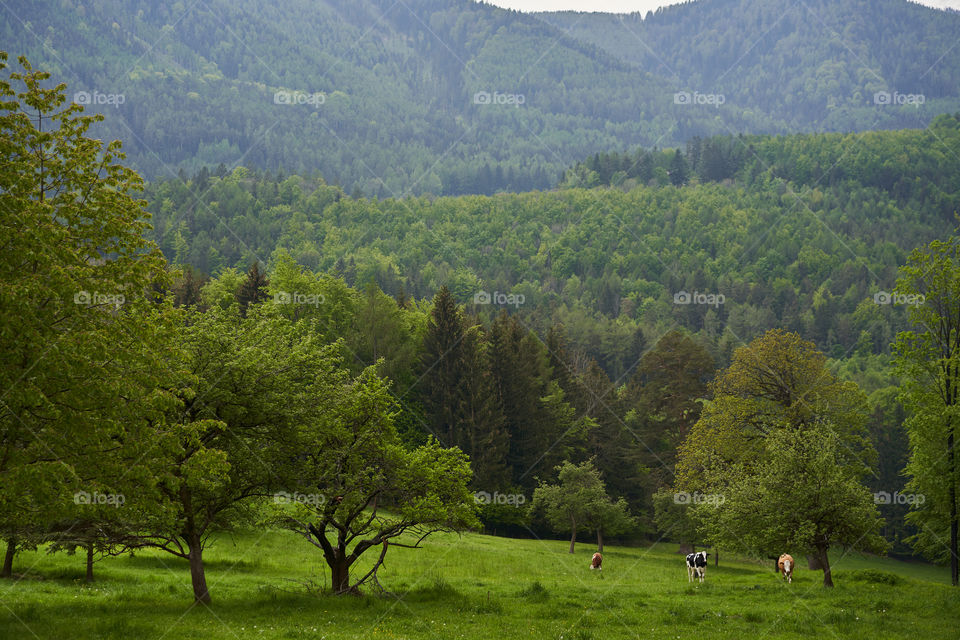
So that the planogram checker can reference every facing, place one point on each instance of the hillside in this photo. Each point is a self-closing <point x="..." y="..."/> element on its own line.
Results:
<point x="806" y="65"/>
<point x="800" y="233"/>
<point x="459" y="97"/>
<point x="388" y="98"/>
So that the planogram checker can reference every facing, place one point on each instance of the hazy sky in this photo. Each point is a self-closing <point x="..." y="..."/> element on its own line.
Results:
<point x="626" y="6"/>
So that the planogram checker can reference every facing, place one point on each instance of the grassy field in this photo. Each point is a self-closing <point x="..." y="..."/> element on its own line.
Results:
<point x="472" y="587"/>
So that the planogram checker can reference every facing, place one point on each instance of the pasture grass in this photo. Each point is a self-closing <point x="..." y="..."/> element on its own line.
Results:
<point x="271" y="584"/>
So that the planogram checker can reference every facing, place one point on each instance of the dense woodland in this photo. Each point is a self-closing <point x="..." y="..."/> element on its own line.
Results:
<point x="398" y="82"/>
<point x="296" y="322"/>
<point x="797" y="232"/>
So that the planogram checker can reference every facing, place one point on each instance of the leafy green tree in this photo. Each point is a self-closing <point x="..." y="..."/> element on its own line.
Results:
<point x="678" y="169"/>
<point x="612" y="444"/>
<point x="81" y="333"/>
<point x="383" y="331"/>
<point x="248" y="383"/>
<point x="578" y="501"/>
<point x="780" y="420"/>
<point x="802" y="495"/>
<point x="778" y="381"/>
<point x="362" y="489"/>
<point x="928" y="358"/>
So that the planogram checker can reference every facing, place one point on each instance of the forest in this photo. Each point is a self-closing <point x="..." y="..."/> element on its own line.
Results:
<point x="801" y="232"/>
<point x="400" y="89"/>
<point x="309" y="334"/>
<point x="814" y="64"/>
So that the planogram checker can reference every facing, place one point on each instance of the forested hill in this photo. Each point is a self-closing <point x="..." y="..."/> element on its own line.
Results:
<point x="804" y="236"/>
<point x="812" y="65"/>
<point x="440" y="96"/>
<point x="452" y="96"/>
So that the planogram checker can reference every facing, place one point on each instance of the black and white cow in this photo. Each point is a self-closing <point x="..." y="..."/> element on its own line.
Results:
<point x="697" y="565"/>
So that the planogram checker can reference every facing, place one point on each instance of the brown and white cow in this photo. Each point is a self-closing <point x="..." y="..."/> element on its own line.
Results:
<point x="785" y="565"/>
<point x="596" y="562"/>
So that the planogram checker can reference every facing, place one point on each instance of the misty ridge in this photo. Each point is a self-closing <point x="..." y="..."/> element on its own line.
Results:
<point x="461" y="97"/>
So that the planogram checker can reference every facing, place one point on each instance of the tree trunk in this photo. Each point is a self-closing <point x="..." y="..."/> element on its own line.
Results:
<point x="573" y="533"/>
<point x="7" y="570"/>
<point x="599" y="539"/>
<point x="952" y="478"/>
<point x="197" y="575"/>
<point x="340" y="575"/>
<point x="90" y="562"/>
<point x="824" y="561"/>
<point x="813" y="563"/>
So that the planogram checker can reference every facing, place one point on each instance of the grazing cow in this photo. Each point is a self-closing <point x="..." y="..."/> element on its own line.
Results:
<point x="697" y="565"/>
<point x="596" y="562"/>
<point x="785" y="565"/>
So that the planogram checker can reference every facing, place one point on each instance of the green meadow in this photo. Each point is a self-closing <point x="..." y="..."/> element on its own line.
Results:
<point x="271" y="584"/>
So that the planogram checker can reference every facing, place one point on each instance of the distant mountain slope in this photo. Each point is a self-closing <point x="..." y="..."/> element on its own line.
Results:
<point x="452" y="96"/>
<point x="812" y="65"/>
<point x="401" y="88"/>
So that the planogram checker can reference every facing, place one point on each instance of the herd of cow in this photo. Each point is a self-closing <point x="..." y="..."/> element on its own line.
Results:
<point x="697" y="565"/>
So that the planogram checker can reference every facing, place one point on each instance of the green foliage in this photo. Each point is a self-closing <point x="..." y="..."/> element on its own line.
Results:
<point x="928" y="359"/>
<point x="366" y="489"/>
<point x="664" y="399"/>
<point x="779" y="454"/>
<point x="82" y="333"/>
<point x="580" y="500"/>
<point x="247" y="384"/>
<point x="457" y="391"/>
<point x="673" y="518"/>
<point x="800" y="495"/>
<point x="804" y="237"/>
<point x="777" y="382"/>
